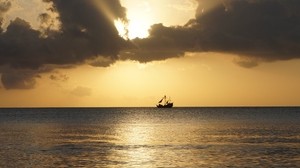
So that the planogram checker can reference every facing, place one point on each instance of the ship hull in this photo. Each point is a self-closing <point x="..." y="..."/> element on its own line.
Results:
<point x="170" y="105"/>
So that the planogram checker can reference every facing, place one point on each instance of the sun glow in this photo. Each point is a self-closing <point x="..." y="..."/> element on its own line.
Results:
<point x="122" y="28"/>
<point x="140" y="18"/>
<point x="132" y="29"/>
<point x="142" y="14"/>
<point x="138" y="28"/>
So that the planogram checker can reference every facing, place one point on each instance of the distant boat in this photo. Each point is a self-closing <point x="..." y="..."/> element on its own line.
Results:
<point x="164" y="103"/>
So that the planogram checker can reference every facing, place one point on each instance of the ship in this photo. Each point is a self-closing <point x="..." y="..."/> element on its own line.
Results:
<point x="165" y="103"/>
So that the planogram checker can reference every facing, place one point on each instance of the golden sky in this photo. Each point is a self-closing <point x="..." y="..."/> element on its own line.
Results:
<point x="197" y="78"/>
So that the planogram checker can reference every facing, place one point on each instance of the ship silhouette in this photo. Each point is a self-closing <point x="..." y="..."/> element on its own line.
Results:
<point x="165" y="103"/>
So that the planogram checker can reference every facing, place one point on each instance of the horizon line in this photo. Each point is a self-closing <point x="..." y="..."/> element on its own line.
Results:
<point x="91" y="107"/>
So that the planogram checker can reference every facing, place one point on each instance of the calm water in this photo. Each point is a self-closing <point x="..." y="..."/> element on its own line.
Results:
<point x="150" y="137"/>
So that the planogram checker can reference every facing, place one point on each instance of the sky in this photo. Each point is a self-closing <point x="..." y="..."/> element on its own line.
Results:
<point x="130" y="53"/>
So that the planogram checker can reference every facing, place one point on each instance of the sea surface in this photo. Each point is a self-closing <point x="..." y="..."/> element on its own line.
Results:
<point x="150" y="137"/>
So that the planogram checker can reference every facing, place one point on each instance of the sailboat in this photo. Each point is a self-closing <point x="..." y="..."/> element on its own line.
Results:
<point x="164" y="103"/>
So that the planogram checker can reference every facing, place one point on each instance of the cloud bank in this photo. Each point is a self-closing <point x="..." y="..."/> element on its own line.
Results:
<point x="256" y="30"/>
<point x="86" y="31"/>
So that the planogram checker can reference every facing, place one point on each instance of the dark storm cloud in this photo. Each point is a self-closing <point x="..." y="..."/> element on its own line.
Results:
<point x="163" y="42"/>
<point x="89" y="24"/>
<point x="265" y="30"/>
<point x="18" y="79"/>
<point x="86" y="31"/>
<point x="257" y="30"/>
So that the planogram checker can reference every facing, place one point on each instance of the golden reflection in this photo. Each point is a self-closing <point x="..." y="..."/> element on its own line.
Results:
<point x="138" y="139"/>
<point x="142" y="139"/>
<point x="138" y="135"/>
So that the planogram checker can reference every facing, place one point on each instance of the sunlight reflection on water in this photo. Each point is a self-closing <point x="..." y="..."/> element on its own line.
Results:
<point x="146" y="137"/>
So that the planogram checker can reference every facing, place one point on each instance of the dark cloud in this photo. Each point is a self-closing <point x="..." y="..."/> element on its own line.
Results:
<point x="86" y="31"/>
<point x="12" y="78"/>
<point x="247" y="62"/>
<point x="59" y="77"/>
<point x="101" y="62"/>
<point x="265" y="30"/>
<point x="257" y="30"/>
<point x="18" y="79"/>
<point x="163" y="42"/>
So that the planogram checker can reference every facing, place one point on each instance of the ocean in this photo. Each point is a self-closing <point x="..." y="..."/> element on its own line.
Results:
<point x="150" y="137"/>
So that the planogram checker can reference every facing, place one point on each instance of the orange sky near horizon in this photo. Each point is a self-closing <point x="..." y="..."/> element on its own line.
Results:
<point x="197" y="79"/>
<point x="206" y="79"/>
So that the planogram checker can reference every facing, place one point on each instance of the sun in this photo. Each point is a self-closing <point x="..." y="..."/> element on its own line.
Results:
<point x="140" y="16"/>
<point x="138" y="28"/>
<point x="122" y="28"/>
<point x="133" y="29"/>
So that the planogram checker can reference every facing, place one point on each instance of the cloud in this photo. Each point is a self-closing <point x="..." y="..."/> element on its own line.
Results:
<point x="81" y="91"/>
<point x="4" y="7"/>
<point x="256" y="30"/>
<point x="86" y="31"/>
<point x="163" y="43"/>
<point x="183" y="5"/>
<point x="12" y="78"/>
<point x="246" y="62"/>
<point x="100" y="61"/>
<point x="264" y="30"/>
<point x="59" y="77"/>
<point x="18" y="80"/>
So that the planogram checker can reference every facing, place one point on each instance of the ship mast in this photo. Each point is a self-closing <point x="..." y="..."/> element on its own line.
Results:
<point x="165" y="103"/>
